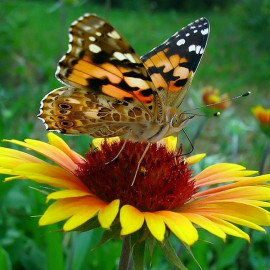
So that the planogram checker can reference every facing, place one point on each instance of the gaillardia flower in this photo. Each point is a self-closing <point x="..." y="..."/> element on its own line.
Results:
<point x="263" y="117"/>
<point x="211" y="96"/>
<point x="166" y="195"/>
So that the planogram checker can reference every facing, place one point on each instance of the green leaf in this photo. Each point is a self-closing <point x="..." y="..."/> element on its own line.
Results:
<point x="79" y="252"/>
<point x="54" y="250"/>
<point x="191" y="254"/>
<point x="150" y="244"/>
<point x="138" y="249"/>
<point x="5" y="262"/>
<point x="171" y="254"/>
<point x="230" y="253"/>
<point x="113" y="233"/>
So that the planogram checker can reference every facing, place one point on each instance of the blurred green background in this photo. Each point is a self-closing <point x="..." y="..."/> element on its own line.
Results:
<point x="33" y="37"/>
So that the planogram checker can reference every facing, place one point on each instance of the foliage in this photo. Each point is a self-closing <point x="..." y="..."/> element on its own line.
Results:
<point x="33" y="38"/>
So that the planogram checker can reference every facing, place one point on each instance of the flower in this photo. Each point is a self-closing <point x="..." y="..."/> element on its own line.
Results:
<point x="166" y="195"/>
<point x="263" y="117"/>
<point x="211" y="96"/>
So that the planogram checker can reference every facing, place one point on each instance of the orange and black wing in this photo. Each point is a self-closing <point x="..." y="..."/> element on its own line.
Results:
<point x="100" y="59"/>
<point x="172" y="64"/>
<point x="103" y="76"/>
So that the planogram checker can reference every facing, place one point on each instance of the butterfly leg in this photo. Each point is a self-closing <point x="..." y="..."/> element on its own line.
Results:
<point x="123" y="146"/>
<point x="140" y="161"/>
<point x="191" y="147"/>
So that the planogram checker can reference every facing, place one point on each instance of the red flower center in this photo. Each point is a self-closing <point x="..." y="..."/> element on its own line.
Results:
<point x="162" y="183"/>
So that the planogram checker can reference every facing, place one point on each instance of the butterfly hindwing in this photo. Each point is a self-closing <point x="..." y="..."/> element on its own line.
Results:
<point x="73" y="110"/>
<point x="172" y="64"/>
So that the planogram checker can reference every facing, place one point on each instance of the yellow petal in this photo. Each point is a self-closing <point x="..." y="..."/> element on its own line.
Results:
<point x="170" y="143"/>
<point x="97" y="142"/>
<point x="49" y="174"/>
<point x="244" y="211"/>
<point x="240" y="182"/>
<point x="69" y="193"/>
<point x="155" y="225"/>
<point x="131" y="219"/>
<point x="65" y="208"/>
<point x="206" y="224"/>
<point x="9" y="163"/>
<point x="229" y="228"/>
<point x="180" y="226"/>
<point x="107" y="215"/>
<point x="239" y="221"/>
<point x="248" y="192"/>
<point x="219" y="168"/>
<point x="49" y="151"/>
<point x="61" y="144"/>
<point x="83" y="215"/>
<point x="86" y="212"/>
<point x="7" y="171"/>
<point x="195" y="159"/>
<point x="61" y="210"/>
<point x="19" y="155"/>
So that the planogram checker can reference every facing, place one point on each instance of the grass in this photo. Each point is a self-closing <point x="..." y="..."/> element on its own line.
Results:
<point x="34" y="37"/>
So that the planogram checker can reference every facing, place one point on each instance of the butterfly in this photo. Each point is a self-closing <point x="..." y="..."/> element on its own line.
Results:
<point x="110" y="91"/>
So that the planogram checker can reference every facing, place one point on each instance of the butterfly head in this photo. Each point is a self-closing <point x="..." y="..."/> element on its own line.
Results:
<point x="178" y="121"/>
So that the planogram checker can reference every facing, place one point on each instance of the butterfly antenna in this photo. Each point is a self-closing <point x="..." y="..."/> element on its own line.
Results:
<point x="201" y="114"/>
<point x="221" y="102"/>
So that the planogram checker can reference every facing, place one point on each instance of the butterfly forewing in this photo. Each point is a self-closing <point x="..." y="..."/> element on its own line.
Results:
<point x="172" y="64"/>
<point x="100" y="59"/>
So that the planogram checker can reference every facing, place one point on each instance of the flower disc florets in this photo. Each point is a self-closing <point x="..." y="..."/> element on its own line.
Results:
<point x="162" y="183"/>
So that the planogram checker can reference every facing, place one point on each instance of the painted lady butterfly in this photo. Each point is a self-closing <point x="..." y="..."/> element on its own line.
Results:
<point x="111" y="92"/>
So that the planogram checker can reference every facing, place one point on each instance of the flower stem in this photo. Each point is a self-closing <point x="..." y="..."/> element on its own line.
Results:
<point x="125" y="254"/>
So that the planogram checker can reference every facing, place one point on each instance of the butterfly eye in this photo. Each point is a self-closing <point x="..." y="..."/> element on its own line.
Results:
<point x="176" y="121"/>
<point x="180" y="120"/>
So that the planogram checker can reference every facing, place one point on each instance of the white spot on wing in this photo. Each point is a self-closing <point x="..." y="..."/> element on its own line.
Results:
<point x="70" y="38"/>
<point x="119" y="56"/>
<point x="122" y="56"/>
<point x="204" y="31"/>
<point x="198" y="48"/>
<point x="92" y="38"/>
<point x="130" y="58"/>
<point x="62" y="58"/>
<point x="187" y="34"/>
<point x="98" y="34"/>
<point x="94" y="48"/>
<point x="57" y="72"/>
<point x="69" y="49"/>
<point x="86" y="28"/>
<point x="180" y="42"/>
<point x="114" y="35"/>
<point x="191" y="48"/>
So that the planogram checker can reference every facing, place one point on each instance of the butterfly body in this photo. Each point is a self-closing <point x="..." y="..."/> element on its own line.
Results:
<point x="111" y="92"/>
